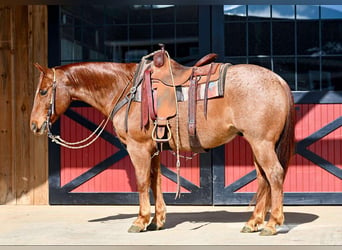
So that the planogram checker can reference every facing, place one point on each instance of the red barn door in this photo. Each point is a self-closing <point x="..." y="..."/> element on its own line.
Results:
<point x="314" y="175"/>
<point x="103" y="174"/>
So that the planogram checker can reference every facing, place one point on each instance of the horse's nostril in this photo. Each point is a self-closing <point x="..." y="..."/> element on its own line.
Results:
<point x="34" y="127"/>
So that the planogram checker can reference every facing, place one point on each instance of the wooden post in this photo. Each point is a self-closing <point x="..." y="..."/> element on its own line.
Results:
<point x="38" y="145"/>
<point x="23" y="157"/>
<point x="7" y="189"/>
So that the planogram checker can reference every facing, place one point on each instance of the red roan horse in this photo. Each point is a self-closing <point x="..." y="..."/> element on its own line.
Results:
<point x="257" y="104"/>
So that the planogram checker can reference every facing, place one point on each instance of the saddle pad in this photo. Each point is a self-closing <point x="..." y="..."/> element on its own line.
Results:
<point x="213" y="91"/>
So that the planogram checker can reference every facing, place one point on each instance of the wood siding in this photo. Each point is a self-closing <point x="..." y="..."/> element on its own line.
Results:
<point x="23" y="157"/>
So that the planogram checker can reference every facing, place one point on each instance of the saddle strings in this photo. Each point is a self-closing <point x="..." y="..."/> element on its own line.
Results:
<point x="178" y="193"/>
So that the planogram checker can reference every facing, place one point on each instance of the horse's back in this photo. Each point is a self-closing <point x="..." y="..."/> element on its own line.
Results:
<point x="253" y="75"/>
<point x="250" y="82"/>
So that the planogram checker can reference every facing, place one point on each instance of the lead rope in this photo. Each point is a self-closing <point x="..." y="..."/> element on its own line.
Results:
<point x="178" y="193"/>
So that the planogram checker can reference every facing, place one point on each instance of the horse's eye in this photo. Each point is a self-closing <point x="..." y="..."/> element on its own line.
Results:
<point x="43" y="92"/>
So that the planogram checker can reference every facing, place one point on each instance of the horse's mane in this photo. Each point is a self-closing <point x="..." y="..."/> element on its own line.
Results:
<point x="97" y="74"/>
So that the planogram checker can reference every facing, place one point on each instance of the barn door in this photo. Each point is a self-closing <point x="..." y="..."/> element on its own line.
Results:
<point x="314" y="175"/>
<point x="103" y="174"/>
<point x="266" y="36"/>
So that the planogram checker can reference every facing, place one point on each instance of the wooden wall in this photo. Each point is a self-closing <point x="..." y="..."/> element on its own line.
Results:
<point x="23" y="156"/>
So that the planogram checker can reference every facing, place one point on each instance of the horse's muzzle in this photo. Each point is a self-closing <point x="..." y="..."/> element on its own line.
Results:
<point x="38" y="131"/>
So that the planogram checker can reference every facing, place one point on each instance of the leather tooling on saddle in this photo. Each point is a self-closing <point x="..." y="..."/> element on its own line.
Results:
<point x="156" y="92"/>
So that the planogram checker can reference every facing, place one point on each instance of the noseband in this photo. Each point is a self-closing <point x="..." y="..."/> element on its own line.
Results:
<point x="52" y="108"/>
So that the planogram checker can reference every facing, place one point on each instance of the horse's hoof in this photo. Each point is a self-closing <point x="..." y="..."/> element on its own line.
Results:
<point x="153" y="227"/>
<point x="247" y="229"/>
<point x="267" y="232"/>
<point x="135" y="229"/>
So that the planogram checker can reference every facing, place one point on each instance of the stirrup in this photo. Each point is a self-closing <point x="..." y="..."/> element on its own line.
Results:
<point x="154" y="133"/>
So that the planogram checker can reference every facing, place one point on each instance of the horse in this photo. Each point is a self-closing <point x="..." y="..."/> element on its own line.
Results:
<point x="257" y="104"/>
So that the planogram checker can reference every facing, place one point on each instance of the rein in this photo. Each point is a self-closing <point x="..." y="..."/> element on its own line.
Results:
<point x="89" y="140"/>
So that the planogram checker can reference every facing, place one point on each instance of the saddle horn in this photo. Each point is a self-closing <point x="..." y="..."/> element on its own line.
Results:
<point x="158" y="58"/>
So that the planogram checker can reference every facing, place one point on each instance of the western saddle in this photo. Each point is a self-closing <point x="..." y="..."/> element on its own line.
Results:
<point x="163" y="78"/>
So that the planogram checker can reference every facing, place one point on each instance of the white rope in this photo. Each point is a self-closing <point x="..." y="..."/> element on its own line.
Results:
<point x="71" y="145"/>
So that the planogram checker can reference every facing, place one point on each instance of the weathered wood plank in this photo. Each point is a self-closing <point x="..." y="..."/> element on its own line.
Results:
<point x="7" y="187"/>
<point x="23" y="157"/>
<point x="21" y="109"/>
<point x="38" y="145"/>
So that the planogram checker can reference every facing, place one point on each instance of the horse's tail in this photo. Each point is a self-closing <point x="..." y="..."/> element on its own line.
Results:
<point x="285" y="144"/>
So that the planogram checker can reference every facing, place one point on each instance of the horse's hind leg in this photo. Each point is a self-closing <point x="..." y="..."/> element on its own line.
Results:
<point x="266" y="158"/>
<point x="262" y="202"/>
<point x="159" y="218"/>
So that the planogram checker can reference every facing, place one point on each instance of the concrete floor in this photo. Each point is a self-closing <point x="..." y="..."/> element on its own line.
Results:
<point x="186" y="225"/>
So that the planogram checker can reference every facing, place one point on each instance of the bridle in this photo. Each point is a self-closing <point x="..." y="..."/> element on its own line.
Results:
<point x="92" y="137"/>
<point x="51" y="110"/>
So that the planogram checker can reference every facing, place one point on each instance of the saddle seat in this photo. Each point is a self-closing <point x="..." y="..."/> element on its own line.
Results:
<point x="181" y="73"/>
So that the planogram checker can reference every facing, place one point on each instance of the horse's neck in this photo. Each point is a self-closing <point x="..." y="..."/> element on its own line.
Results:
<point x="102" y="85"/>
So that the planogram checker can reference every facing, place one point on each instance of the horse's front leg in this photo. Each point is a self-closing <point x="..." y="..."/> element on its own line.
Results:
<point x="141" y="160"/>
<point x="159" y="218"/>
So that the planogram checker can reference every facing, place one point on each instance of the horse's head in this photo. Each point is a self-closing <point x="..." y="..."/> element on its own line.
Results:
<point x="51" y="100"/>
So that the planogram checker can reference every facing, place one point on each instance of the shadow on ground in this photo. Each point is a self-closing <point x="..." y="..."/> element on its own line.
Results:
<point x="292" y="219"/>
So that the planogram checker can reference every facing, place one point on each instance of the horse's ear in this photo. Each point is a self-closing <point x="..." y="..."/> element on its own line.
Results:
<point x="41" y="68"/>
